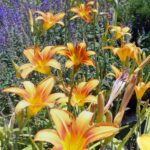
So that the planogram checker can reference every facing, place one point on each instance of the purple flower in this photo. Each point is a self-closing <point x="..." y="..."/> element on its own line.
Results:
<point x="45" y="5"/>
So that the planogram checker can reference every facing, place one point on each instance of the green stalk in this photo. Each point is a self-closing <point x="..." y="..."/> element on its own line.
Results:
<point x="72" y="86"/>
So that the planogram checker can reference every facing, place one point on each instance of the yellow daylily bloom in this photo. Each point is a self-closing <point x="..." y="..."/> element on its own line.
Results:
<point x="74" y="133"/>
<point x="140" y="89"/>
<point x="35" y="97"/>
<point x="81" y="93"/>
<point x="117" y="72"/>
<point x="77" y="55"/>
<point x="40" y="61"/>
<point x="120" y="31"/>
<point x="126" y="51"/>
<point x="84" y="11"/>
<point x="144" y="142"/>
<point x="49" y="20"/>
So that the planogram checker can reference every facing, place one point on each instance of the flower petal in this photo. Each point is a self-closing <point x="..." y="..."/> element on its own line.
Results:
<point x="20" y="106"/>
<point x="54" y="63"/>
<point x="90" y="85"/>
<point x="52" y="98"/>
<point x="29" y="53"/>
<point x="18" y="91"/>
<point x="69" y="64"/>
<point x="34" y="109"/>
<point x="144" y="142"/>
<point x="89" y="53"/>
<point x="45" y="87"/>
<point x="29" y="87"/>
<point x="101" y="131"/>
<point x="62" y="120"/>
<point x="48" y="135"/>
<point x="83" y="121"/>
<point x="91" y="99"/>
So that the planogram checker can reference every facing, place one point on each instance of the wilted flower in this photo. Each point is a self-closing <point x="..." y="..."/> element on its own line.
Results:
<point x="116" y="89"/>
<point x="35" y="97"/>
<point x="49" y="20"/>
<point x="84" y="11"/>
<point x="77" y="55"/>
<point x="81" y="93"/>
<point x="74" y="133"/>
<point x="140" y="89"/>
<point x="144" y="142"/>
<point x="40" y="60"/>
<point x="120" y="31"/>
<point x="126" y="98"/>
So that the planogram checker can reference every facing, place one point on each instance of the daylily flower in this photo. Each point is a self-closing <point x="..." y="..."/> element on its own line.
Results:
<point x="84" y="11"/>
<point x="77" y="55"/>
<point x="49" y="20"/>
<point x="81" y="93"/>
<point x="140" y="89"/>
<point x="74" y="134"/>
<point x="120" y="31"/>
<point x="126" y="51"/>
<point x="117" y="72"/>
<point x="40" y="60"/>
<point x="144" y="142"/>
<point x="35" y="97"/>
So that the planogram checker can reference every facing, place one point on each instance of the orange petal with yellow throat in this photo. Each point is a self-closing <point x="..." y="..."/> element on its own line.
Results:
<point x="90" y="85"/>
<point x="18" y="91"/>
<point x="53" y="97"/>
<point x="100" y="132"/>
<point x="30" y="88"/>
<point x="48" y="135"/>
<point x="62" y="122"/>
<point x="32" y="110"/>
<point x="29" y="53"/>
<point x="44" y="87"/>
<point x="83" y="121"/>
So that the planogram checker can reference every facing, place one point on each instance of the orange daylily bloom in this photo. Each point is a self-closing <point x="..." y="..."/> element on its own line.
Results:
<point x="120" y="31"/>
<point x="84" y="11"/>
<point x="81" y="93"/>
<point x="49" y="20"/>
<point x="140" y="89"/>
<point x="77" y="55"/>
<point x="35" y="97"/>
<point x="40" y="60"/>
<point x="144" y="142"/>
<point x="74" y="134"/>
<point x="126" y="51"/>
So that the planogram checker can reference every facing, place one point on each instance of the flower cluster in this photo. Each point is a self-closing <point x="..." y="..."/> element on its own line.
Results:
<point x="79" y="114"/>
